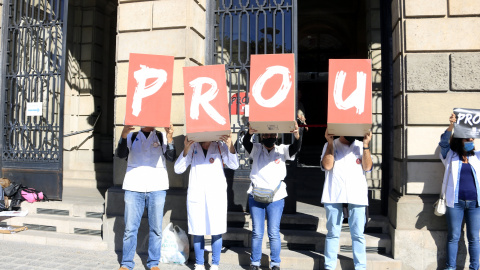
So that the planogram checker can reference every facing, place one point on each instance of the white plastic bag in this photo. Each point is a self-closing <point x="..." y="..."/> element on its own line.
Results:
<point x="175" y="247"/>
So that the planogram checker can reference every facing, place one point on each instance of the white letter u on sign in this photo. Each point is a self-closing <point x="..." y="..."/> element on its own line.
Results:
<point x="282" y="92"/>
<point x="356" y="99"/>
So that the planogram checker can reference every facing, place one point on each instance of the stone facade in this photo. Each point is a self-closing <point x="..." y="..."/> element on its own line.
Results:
<point x="88" y="85"/>
<point x="436" y="67"/>
<point x="159" y="31"/>
<point x="435" y="55"/>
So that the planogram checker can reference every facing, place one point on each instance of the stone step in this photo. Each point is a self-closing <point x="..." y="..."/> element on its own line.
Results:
<point x="306" y="240"/>
<point x="88" y="242"/>
<point x="60" y="224"/>
<point x="58" y="208"/>
<point x="87" y="174"/>
<point x="175" y="203"/>
<point x="302" y="221"/>
<point x="114" y="228"/>
<point x="298" y="221"/>
<point x="87" y="183"/>
<point x="304" y="259"/>
<point x="77" y="202"/>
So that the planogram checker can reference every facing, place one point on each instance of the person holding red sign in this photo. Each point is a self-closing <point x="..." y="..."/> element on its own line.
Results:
<point x="267" y="191"/>
<point x="345" y="161"/>
<point x="462" y="194"/>
<point x="207" y="193"/>
<point x="145" y="185"/>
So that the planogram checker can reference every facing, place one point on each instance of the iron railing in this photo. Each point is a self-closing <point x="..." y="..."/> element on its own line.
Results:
<point x="33" y="72"/>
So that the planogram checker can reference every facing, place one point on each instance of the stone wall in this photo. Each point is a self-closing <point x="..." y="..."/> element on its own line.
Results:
<point x="436" y="66"/>
<point x="88" y="85"/>
<point x="167" y="27"/>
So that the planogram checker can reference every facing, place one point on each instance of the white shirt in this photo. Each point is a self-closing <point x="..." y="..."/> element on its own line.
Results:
<point x="268" y="168"/>
<point x="146" y="169"/>
<point x="346" y="181"/>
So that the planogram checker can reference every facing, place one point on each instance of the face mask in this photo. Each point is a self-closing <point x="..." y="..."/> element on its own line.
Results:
<point x="351" y="139"/>
<point x="269" y="142"/>
<point x="468" y="146"/>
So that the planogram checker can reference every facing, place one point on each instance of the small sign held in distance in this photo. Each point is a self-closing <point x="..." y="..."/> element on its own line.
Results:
<point x="468" y="123"/>
<point x="34" y="108"/>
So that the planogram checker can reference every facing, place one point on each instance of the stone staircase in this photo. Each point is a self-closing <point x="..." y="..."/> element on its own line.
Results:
<point x="302" y="235"/>
<point x="303" y="239"/>
<point x="99" y="176"/>
<point x="89" y="217"/>
<point x="74" y="222"/>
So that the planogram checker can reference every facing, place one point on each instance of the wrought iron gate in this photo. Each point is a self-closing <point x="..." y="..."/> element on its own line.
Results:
<point x="242" y="28"/>
<point x="32" y="93"/>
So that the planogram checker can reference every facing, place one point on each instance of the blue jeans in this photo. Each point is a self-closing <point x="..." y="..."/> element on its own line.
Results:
<point x="274" y="215"/>
<point x="471" y="212"/>
<point x="135" y="204"/>
<point x="356" y="221"/>
<point x="199" y="247"/>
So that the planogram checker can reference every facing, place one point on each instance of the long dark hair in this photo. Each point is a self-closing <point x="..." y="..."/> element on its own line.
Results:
<point x="456" y="144"/>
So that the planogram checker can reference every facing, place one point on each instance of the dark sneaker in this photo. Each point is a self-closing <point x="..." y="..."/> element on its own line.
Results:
<point x="276" y="268"/>
<point x="254" y="267"/>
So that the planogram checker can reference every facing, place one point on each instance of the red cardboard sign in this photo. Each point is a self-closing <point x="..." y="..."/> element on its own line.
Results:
<point x="241" y="99"/>
<point x="272" y="93"/>
<point x="149" y="90"/>
<point x="206" y="102"/>
<point x="349" y="96"/>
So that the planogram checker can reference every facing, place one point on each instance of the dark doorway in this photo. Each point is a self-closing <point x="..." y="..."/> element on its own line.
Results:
<point x="326" y="30"/>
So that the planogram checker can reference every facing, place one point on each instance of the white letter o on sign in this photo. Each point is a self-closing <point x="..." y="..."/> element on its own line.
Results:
<point x="282" y="92"/>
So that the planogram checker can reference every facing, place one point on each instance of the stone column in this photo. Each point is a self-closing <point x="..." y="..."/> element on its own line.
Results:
<point x="436" y="66"/>
<point x="167" y="27"/>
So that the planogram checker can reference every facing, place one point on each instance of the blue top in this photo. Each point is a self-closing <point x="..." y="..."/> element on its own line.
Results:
<point x="466" y="189"/>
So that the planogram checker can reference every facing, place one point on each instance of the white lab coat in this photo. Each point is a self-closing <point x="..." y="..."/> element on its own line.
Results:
<point x="207" y="187"/>
<point x="451" y="175"/>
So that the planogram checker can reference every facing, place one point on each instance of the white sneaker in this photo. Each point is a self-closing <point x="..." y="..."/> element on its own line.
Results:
<point x="214" y="267"/>
<point x="199" y="267"/>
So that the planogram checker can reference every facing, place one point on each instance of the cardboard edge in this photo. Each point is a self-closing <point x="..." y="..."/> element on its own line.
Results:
<point x="341" y="129"/>
<point x="207" y="136"/>
<point x="273" y="127"/>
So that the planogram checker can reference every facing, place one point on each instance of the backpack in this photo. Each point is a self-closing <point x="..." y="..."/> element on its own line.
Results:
<point x="24" y="193"/>
<point x="32" y="195"/>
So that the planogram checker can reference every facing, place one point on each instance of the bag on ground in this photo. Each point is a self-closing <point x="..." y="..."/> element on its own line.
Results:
<point x="175" y="246"/>
<point x="31" y="195"/>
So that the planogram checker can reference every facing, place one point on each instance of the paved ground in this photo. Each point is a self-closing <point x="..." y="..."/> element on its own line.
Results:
<point x="15" y="255"/>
